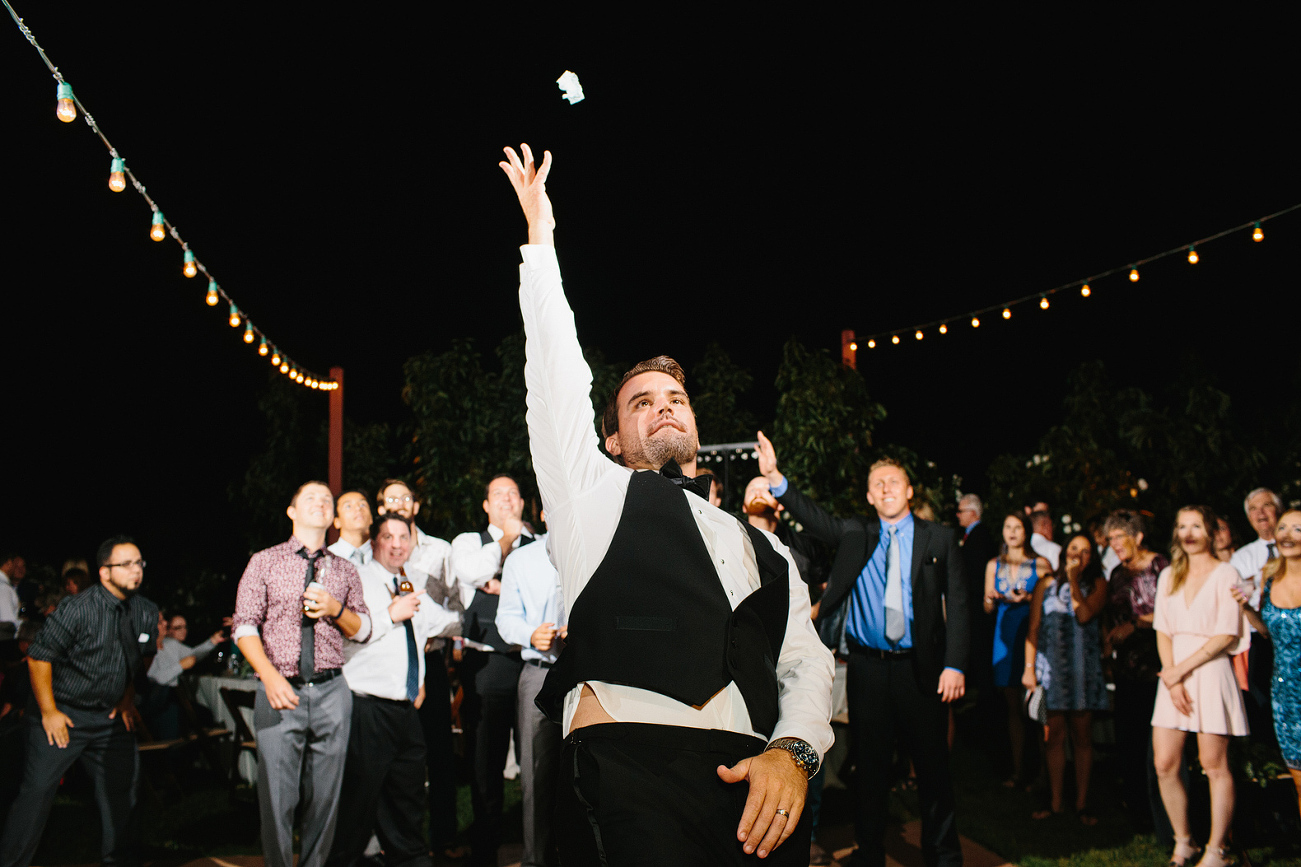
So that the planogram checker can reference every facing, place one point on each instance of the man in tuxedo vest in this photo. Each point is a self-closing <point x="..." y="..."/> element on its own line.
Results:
<point x="693" y="693"/>
<point x="896" y="608"/>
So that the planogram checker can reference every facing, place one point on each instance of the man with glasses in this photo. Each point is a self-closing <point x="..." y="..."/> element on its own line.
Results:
<point x="352" y="519"/>
<point x="295" y="605"/>
<point x="83" y="664"/>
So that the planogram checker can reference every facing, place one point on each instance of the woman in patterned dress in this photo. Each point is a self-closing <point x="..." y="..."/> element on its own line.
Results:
<point x="1279" y="617"/>
<point x="1063" y="652"/>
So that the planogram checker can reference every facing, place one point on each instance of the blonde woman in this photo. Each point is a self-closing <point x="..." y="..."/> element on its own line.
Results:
<point x="1198" y="626"/>
<point x="1279" y="617"/>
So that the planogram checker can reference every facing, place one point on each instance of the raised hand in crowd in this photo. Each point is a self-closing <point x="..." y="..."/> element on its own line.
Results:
<point x="530" y="183"/>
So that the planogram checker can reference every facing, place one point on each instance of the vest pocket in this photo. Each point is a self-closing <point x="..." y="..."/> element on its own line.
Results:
<point x="646" y="624"/>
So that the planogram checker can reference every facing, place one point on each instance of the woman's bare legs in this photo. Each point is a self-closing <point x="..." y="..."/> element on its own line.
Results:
<point x="1167" y="753"/>
<point x="1213" y="752"/>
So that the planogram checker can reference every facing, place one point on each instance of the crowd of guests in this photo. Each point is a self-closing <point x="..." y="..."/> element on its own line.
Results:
<point x="360" y="644"/>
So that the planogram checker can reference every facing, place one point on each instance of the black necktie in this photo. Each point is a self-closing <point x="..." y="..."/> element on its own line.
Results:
<point x="307" y="650"/>
<point x="698" y="486"/>
<point x="413" y="662"/>
<point x="1273" y="551"/>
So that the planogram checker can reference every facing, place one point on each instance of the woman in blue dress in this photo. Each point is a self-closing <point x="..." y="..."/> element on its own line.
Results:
<point x="1279" y="617"/>
<point x="1063" y="654"/>
<point x="1010" y="579"/>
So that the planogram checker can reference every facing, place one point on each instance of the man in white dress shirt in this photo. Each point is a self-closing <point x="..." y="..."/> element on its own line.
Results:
<point x="384" y="777"/>
<point x="488" y="708"/>
<point x="1041" y="540"/>
<point x="1263" y="507"/>
<point x="691" y="656"/>
<point x="532" y="614"/>
<point x="352" y="519"/>
<point x="12" y="571"/>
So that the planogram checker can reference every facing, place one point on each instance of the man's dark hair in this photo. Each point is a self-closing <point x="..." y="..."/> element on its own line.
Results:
<point x="359" y="491"/>
<point x="393" y="516"/>
<point x="80" y="578"/>
<point x="658" y="364"/>
<point x="384" y="486"/>
<point x="105" y="552"/>
<point x="294" y="499"/>
<point x="488" y="486"/>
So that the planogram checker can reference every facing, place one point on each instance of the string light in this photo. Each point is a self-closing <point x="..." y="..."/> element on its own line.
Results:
<point x="248" y="332"/>
<point x="871" y="344"/>
<point x="234" y="316"/>
<point x="275" y="358"/>
<point x="918" y="335"/>
<point x="1192" y="256"/>
<point x="944" y="329"/>
<point x="66" y="109"/>
<point x="117" y="175"/>
<point x="975" y="322"/>
<point x="284" y="367"/>
<point x="262" y="347"/>
<point x="1133" y="275"/>
<point x="895" y="339"/>
<point x="1257" y="233"/>
<point x="156" y="229"/>
<point x="212" y="293"/>
<point x="1084" y="290"/>
<point x="299" y="378"/>
<point x="1043" y="303"/>
<point x="190" y="268"/>
<point x="853" y="347"/>
<point x="1007" y="312"/>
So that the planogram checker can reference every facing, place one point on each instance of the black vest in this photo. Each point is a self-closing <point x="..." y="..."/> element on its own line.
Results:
<point x="491" y="672"/>
<point x="655" y="616"/>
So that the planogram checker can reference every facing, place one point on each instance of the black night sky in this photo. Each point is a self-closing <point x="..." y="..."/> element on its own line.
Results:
<point x="339" y="177"/>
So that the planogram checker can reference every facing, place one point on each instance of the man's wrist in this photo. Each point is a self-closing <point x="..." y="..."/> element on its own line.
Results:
<point x="801" y="752"/>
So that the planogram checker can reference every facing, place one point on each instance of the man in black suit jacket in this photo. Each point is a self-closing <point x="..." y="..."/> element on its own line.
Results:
<point x="896" y="607"/>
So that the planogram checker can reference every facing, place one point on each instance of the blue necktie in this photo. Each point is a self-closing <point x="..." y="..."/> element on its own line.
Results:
<point x="413" y="661"/>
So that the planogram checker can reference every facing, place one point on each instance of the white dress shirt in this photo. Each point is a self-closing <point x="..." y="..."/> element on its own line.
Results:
<point x="1110" y="560"/>
<point x="530" y="597"/>
<point x="474" y="564"/>
<point x="1047" y="549"/>
<point x="9" y="602"/>
<point x="345" y="549"/>
<point x="584" y="492"/>
<point x="1249" y="560"/>
<point x="379" y="667"/>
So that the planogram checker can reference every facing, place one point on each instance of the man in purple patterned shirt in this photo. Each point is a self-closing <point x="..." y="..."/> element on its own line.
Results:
<point x="296" y="604"/>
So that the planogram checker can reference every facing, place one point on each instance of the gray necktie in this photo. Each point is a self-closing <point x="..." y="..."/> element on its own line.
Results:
<point x="894" y="622"/>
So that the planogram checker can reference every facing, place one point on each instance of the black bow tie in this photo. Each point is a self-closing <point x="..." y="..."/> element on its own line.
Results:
<point x="698" y="486"/>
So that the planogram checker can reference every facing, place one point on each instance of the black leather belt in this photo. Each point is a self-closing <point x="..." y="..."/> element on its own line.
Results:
<point x="537" y="663"/>
<point x="877" y="653"/>
<point x="317" y="678"/>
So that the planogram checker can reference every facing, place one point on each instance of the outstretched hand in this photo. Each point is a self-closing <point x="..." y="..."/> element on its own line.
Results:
<point x="768" y="462"/>
<point x="530" y="183"/>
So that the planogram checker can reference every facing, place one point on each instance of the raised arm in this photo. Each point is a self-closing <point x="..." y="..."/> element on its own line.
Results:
<point x="817" y="522"/>
<point x="530" y="183"/>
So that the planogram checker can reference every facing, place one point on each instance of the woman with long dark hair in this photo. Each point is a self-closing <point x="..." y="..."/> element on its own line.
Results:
<point x="1198" y="625"/>
<point x="1063" y="653"/>
<point x="1010" y="579"/>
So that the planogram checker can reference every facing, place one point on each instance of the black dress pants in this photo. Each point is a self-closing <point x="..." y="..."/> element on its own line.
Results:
<point x="488" y="719"/>
<point x="383" y="785"/>
<point x="640" y="795"/>
<point x="108" y="752"/>
<point x="440" y="756"/>
<point x="885" y="704"/>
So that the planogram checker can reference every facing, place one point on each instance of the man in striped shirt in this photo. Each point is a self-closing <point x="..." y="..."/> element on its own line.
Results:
<point x="83" y="664"/>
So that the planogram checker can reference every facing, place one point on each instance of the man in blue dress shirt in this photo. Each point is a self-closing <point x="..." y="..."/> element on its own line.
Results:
<point x="896" y="608"/>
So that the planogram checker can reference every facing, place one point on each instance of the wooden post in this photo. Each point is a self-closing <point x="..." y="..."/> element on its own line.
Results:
<point x="848" y="350"/>
<point x="336" y="433"/>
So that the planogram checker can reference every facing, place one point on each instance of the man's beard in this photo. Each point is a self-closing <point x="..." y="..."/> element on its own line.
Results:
<point x="128" y="592"/>
<point x="680" y="447"/>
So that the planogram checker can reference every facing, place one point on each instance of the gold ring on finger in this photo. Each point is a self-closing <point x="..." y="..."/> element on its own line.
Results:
<point x="784" y="813"/>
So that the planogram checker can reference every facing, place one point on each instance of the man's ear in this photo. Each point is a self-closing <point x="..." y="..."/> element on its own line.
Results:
<point x="1138" y="540"/>
<point x="338" y="525"/>
<point x="415" y="510"/>
<point x="485" y="508"/>
<point x="910" y="493"/>
<point x="291" y="512"/>
<point x="612" y="445"/>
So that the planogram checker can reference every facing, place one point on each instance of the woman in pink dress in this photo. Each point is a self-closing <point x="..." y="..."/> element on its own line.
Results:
<point x="1198" y="626"/>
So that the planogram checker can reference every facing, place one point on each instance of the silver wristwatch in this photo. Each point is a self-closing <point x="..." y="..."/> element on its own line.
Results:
<point x="801" y="751"/>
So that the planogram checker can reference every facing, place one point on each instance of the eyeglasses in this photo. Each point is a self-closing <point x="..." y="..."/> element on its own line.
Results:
<point x="398" y="501"/>
<point x="127" y="565"/>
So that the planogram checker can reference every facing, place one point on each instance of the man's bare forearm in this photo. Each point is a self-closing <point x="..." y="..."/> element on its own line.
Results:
<point x="42" y="674"/>
<point x="256" y="654"/>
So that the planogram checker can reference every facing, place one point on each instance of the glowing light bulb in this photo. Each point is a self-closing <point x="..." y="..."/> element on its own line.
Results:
<point x="1192" y="256"/>
<point x="299" y="378"/>
<point x="975" y="322"/>
<point x="944" y="329"/>
<point x="117" y="175"/>
<point x="262" y="348"/>
<point x="894" y="339"/>
<point x="919" y="335"/>
<point x="234" y="316"/>
<point x="212" y="293"/>
<point x="67" y="109"/>
<point x="275" y="358"/>
<point x="853" y="347"/>
<point x="871" y="344"/>
<point x="1043" y="303"/>
<point x="1133" y="275"/>
<point x="157" y="230"/>
<point x="1257" y="234"/>
<point x="190" y="267"/>
<point x="284" y="367"/>
<point x="1084" y="290"/>
<point x="248" y="332"/>
<point x="293" y="371"/>
<point x="1007" y="312"/>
